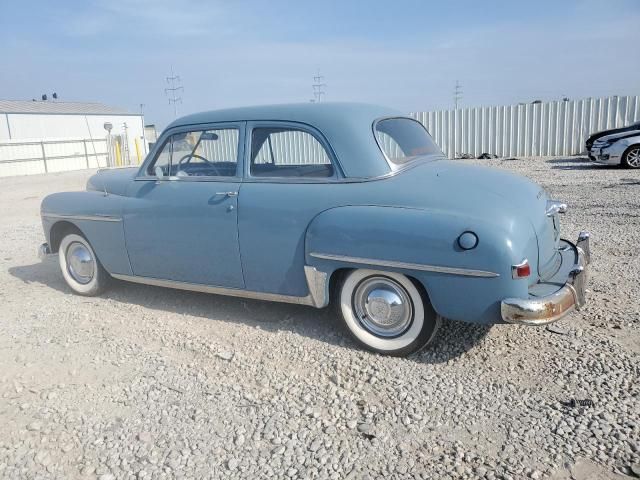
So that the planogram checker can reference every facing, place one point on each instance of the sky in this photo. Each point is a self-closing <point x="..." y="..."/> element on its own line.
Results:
<point x="406" y="54"/>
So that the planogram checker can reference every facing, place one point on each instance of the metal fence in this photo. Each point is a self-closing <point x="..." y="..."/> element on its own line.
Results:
<point x="27" y="158"/>
<point x="535" y="129"/>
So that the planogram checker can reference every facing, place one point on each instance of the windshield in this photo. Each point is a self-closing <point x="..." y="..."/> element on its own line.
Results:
<point x="403" y="139"/>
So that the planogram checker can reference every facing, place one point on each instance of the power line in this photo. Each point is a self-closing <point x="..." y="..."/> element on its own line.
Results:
<point x="457" y="94"/>
<point x="318" y="86"/>
<point x="172" y="91"/>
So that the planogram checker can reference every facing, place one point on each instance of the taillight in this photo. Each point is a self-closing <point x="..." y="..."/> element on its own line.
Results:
<point x="521" y="270"/>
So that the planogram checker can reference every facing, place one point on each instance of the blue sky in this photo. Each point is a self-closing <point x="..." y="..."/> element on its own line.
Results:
<point x="406" y="54"/>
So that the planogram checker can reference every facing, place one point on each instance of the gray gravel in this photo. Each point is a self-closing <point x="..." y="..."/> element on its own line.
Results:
<point x="147" y="383"/>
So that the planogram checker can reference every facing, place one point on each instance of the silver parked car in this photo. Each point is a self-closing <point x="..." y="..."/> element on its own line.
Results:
<point x="617" y="149"/>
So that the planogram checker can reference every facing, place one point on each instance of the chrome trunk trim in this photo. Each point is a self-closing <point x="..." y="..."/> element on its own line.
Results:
<point x="93" y="218"/>
<point x="406" y="266"/>
<point x="316" y="298"/>
<point x="555" y="206"/>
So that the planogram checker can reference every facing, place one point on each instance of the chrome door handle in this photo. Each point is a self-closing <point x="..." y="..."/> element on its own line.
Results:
<point x="228" y="194"/>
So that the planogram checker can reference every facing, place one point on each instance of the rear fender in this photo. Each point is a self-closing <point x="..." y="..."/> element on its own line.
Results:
<point x="416" y="242"/>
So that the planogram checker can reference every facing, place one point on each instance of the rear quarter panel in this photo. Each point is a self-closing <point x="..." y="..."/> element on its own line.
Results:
<point x="427" y="237"/>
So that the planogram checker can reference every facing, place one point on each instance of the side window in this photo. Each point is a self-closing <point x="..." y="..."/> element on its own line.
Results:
<point x="208" y="153"/>
<point x="288" y="152"/>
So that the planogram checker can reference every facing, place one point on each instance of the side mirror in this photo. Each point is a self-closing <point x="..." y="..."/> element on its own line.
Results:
<point x="159" y="172"/>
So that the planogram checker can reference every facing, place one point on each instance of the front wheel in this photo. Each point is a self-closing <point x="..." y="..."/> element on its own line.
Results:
<point x="386" y="313"/>
<point x="631" y="157"/>
<point x="80" y="267"/>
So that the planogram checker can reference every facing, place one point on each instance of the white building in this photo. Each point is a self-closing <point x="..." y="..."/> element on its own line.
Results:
<point x="48" y="136"/>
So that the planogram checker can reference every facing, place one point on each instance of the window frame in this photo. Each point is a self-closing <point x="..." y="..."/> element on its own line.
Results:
<point x="283" y="124"/>
<point x="394" y="166"/>
<point x="199" y="127"/>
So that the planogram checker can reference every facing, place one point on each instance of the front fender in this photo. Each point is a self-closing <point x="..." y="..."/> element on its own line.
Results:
<point x="97" y="216"/>
<point x="422" y="243"/>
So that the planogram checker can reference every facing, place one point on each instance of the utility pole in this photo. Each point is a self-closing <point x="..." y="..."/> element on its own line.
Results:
<point x="172" y="91"/>
<point x="318" y="86"/>
<point x="457" y="94"/>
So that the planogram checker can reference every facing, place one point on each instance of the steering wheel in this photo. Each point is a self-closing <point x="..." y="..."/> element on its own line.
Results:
<point x="187" y="159"/>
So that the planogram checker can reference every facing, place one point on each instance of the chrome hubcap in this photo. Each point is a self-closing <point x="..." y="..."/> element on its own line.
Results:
<point x="80" y="263"/>
<point x="633" y="158"/>
<point x="383" y="306"/>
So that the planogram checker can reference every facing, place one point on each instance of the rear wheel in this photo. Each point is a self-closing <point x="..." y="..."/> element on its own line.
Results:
<point x="386" y="313"/>
<point x="80" y="267"/>
<point x="631" y="157"/>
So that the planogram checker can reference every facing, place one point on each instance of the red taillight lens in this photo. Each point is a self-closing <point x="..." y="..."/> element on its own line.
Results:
<point x="521" y="270"/>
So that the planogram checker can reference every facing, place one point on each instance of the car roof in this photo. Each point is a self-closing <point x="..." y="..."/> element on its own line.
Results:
<point x="346" y="126"/>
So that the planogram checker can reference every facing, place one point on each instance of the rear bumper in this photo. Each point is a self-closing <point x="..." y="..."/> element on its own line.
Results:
<point x="542" y="306"/>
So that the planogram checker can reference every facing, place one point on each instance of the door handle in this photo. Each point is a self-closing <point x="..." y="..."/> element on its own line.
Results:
<point x="228" y="194"/>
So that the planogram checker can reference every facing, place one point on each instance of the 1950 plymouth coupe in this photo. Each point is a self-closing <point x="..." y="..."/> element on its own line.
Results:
<point x="318" y="203"/>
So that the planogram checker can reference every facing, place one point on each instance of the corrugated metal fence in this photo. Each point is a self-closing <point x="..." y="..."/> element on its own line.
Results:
<point x="535" y="129"/>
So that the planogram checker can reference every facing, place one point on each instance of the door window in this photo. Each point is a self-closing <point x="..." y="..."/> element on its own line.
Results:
<point x="288" y="152"/>
<point x="199" y="153"/>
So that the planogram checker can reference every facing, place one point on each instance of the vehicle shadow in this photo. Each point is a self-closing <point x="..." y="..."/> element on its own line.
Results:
<point x="452" y="340"/>
<point x="578" y="163"/>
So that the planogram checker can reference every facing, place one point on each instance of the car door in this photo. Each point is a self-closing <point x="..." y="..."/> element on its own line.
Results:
<point x="180" y="215"/>
<point x="290" y="177"/>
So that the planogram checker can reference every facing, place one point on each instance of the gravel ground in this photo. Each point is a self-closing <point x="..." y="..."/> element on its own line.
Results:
<point x="146" y="382"/>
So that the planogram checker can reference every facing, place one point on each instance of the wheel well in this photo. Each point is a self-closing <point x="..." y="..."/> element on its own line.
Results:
<point x="635" y="145"/>
<point x="58" y="231"/>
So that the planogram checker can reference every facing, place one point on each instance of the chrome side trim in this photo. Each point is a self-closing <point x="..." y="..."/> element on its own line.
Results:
<point x="93" y="218"/>
<point x="406" y="266"/>
<point x="315" y="298"/>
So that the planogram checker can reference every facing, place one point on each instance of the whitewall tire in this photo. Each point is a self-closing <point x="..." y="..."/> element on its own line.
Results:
<point x="386" y="313"/>
<point x="80" y="267"/>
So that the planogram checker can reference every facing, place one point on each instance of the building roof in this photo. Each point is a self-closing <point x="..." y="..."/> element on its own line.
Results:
<point x="56" y="107"/>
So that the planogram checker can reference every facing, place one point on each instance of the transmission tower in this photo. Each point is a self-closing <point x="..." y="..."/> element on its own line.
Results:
<point x="172" y="91"/>
<point x="318" y="86"/>
<point x="457" y="94"/>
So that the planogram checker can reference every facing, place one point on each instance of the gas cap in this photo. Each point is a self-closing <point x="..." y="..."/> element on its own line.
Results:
<point x="468" y="240"/>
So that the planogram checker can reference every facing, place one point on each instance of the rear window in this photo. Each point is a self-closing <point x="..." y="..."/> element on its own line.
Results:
<point x="403" y="139"/>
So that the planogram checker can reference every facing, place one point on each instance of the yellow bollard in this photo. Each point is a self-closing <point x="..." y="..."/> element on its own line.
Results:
<point x="137" y="151"/>
<point x="118" y="155"/>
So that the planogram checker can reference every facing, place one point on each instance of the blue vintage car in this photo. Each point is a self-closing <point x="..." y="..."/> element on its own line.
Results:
<point x="318" y="203"/>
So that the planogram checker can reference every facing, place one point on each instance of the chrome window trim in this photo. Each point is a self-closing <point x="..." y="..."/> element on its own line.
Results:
<point x="406" y="266"/>
<point x="316" y="280"/>
<point x="397" y="168"/>
<point x="92" y="218"/>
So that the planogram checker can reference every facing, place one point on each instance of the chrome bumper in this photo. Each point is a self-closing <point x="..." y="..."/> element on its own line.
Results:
<point x="547" y="309"/>
<point x="44" y="251"/>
